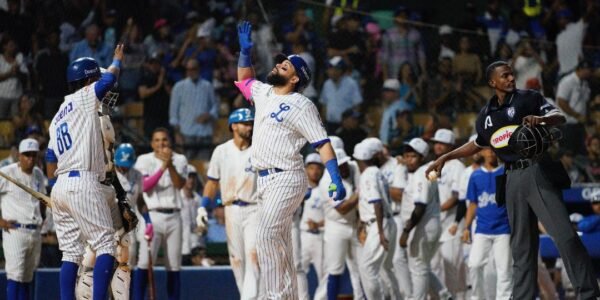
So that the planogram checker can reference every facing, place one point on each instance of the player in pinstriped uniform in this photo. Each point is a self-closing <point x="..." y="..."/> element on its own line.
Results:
<point x="340" y="232"/>
<point x="284" y="121"/>
<point x="21" y="220"/>
<point x="80" y="211"/>
<point x="448" y="263"/>
<point x="377" y="253"/>
<point x="230" y="169"/>
<point x="164" y="174"/>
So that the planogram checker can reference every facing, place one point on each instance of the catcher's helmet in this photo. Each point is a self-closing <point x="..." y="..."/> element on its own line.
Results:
<point x="82" y="68"/>
<point x="532" y="141"/>
<point x="240" y="115"/>
<point x="125" y="156"/>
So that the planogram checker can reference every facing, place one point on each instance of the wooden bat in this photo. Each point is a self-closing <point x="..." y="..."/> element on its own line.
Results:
<point x="151" y="286"/>
<point x="45" y="199"/>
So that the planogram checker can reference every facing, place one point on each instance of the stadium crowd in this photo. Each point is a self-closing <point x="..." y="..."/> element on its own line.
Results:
<point x="396" y="76"/>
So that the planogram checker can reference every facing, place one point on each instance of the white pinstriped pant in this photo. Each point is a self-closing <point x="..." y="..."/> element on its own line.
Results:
<point x="168" y="231"/>
<point x="22" y="248"/>
<point x="82" y="214"/>
<point x="279" y="195"/>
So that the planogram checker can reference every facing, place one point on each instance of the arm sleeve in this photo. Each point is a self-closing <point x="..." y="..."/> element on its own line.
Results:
<point x="151" y="181"/>
<point x="107" y="81"/>
<point x="51" y="156"/>
<point x="461" y="210"/>
<point x="245" y="87"/>
<point x="174" y="105"/>
<point x="543" y="107"/>
<point x="311" y="127"/>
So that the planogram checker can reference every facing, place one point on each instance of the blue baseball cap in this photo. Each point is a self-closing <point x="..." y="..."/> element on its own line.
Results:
<point x="125" y="156"/>
<point x="302" y="70"/>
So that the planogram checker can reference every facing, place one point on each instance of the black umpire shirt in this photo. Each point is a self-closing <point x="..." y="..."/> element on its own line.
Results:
<point x="496" y="123"/>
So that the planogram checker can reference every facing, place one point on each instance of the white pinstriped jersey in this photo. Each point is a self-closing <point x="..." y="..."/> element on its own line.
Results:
<point x="350" y="185"/>
<point x="313" y="209"/>
<point x="164" y="194"/>
<point x="373" y="187"/>
<point x="16" y="204"/>
<point x="282" y="126"/>
<point x="448" y="183"/>
<point x="418" y="190"/>
<point x="75" y="134"/>
<point x="232" y="168"/>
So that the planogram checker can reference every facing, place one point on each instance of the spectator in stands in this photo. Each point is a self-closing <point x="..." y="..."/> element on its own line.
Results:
<point x="373" y="72"/>
<point x="351" y="131"/>
<point x="265" y="46"/>
<point x="189" y="204"/>
<point x="300" y="48"/>
<point x="301" y="30"/>
<point x="393" y="102"/>
<point x="568" y="162"/>
<point x="25" y="117"/>
<point x="153" y="93"/>
<point x="92" y="46"/>
<point x="493" y="22"/>
<point x="405" y="131"/>
<point x="516" y="31"/>
<point x="349" y="42"/>
<point x="572" y="96"/>
<point x="13" y="69"/>
<point x="591" y="223"/>
<point x="12" y="156"/>
<point x="216" y="226"/>
<point x="402" y="44"/>
<point x="569" y="40"/>
<point x="593" y="158"/>
<point x="468" y="70"/>
<point x="17" y="24"/>
<point x="51" y="83"/>
<point x="441" y="94"/>
<point x="199" y="258"/>
<point x="339" y="93"/>
<point x="446" y="48"/>
<point x="199" y="46"/>
<point x="160" y="40"/>
<point x="503" y="52"/>
<point x="131" y="68"/>
<point x="409" y="87"/>
<point x="110" y="30"/>
<point x="192" y="111"/>
<point x="526" y="64"/>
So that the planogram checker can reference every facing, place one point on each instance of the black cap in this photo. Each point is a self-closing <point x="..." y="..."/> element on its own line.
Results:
<point x="351" y="113"/>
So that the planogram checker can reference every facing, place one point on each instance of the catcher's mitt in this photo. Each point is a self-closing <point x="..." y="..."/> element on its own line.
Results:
<point x="128" y="217"/>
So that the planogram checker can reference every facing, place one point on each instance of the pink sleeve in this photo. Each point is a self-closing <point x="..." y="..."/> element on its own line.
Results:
<point x="151" y="181"/>
<point x="245" y="86"/>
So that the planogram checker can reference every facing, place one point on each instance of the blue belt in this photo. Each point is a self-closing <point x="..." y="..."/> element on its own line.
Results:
<point x="26" y="226"/>
<point x="74" y="173"/>
<point x="241" y="203"/>
<point x="266" y="172"/>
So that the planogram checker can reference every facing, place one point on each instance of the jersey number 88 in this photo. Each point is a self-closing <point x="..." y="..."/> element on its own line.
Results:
<point x="63" y="138"/>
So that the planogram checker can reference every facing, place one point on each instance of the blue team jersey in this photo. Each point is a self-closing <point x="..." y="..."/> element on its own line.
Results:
<point x="491" y="219"/>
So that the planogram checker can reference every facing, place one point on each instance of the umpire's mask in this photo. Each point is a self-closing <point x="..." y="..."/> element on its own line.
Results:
<point x="531" y="141"/>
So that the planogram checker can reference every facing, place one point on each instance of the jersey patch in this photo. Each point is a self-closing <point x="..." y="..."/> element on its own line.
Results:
<point x="510" y="112"/>
<point x="488" y="122"/>
<point x="282" y="107"/>
<point x="500" y="138"/>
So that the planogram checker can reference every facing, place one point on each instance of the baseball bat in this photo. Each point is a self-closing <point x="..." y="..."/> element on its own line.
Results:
<point x="45" y="199"/>
<point x="151" y="287"/>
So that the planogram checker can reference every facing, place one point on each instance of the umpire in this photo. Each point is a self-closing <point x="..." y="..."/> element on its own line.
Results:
<point x="532" y="184"/>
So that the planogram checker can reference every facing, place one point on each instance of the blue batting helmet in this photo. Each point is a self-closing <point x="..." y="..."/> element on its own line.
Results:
<point x="241" y="115"/>
<point x="82" y="68"/>
<point x="125" y="156"/>
<point x="302" y="70"/>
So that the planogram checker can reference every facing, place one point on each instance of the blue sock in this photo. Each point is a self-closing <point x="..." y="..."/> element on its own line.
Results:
<point x="173" y="285"/>
<point x="24" y="291"/>
<point x="68" y="278"/>
<point x="103" y="270"/>
<point x="12" y="290"/>
<point x="333" y="286"/>
<point x="140" y="283"/>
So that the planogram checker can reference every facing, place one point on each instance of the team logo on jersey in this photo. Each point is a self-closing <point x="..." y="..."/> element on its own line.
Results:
<point x="511" y="112"/>
<point x="282" y="107"/>
<point x="500" y="138"/>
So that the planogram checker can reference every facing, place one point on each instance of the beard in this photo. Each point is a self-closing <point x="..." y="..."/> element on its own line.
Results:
<point x="275" y="79"/>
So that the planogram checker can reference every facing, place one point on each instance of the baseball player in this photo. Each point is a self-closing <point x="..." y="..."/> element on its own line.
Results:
<point x="285" y="121"/>
<point x="21" y="220"/>
<point x="190" y="202"/>
<point x="531" y="191"/>
<point x="492" y="231"/>
<point x="230" y="170"/>
<point x="81" y="211"/>
<point x="420" y="211"/>
<point x="448" y="262"/>
<point x="376" y="255"/>
<point x="340" y="232"/>
<point x="164" y="173"/>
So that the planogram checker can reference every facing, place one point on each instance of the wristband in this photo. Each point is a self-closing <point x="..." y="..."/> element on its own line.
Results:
<point x="334" y="171"/>
<point x="205" y="202"/>
<point x="116" y="63"/>
<point x="146" y="216"/>
<point x="51" y="182"/>
<point x="244" y="61"/>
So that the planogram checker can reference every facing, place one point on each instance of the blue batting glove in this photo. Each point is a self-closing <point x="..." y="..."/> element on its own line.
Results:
<point x="336" y="189"/>
<point x="244" y="37"/>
